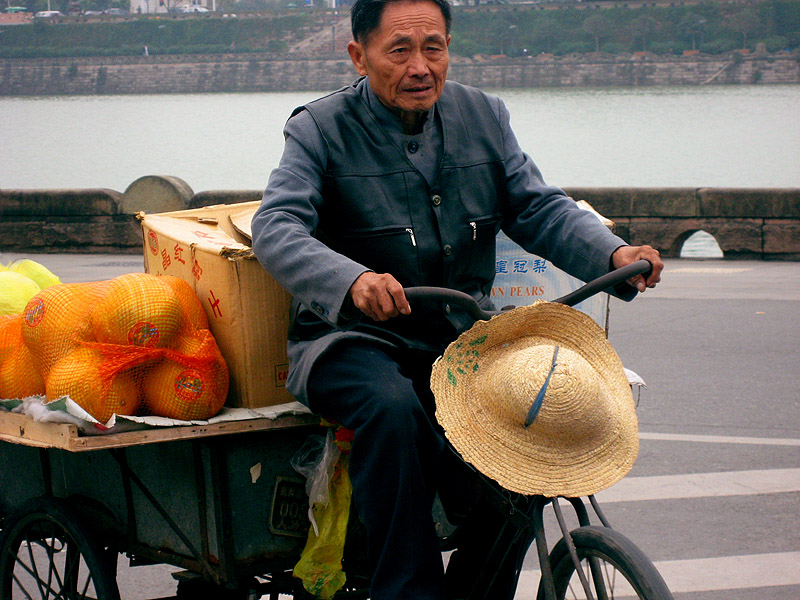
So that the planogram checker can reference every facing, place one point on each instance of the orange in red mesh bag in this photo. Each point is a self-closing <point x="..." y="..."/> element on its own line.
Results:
<point x="194" y="315"/>
<point x="90" y="379"/>
<point x="10" y="334"/>
<point x="57" y="321"/>
<point x="138" y="310"/>
<point x="110" y="344"/>
<point x="189" y="383"/>
<point x="19" y="377"/>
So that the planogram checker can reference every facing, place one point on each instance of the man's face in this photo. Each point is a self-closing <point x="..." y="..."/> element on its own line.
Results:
<point x="406" y="57"/>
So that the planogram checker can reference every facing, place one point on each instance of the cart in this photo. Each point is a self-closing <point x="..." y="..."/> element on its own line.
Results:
<point x="220" y="501"/>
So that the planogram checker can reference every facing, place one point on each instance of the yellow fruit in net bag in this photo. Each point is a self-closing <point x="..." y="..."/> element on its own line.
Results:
<point x="138" y="309"/>
<point x="79" y="376"/>
<point x="19" y="377"/>
<point x="43" y="277"/>
<point x="15" y="292"/>
<point x="56" y="321"/>
<point x="189" y="389"/>
<point x="193" y="311"/>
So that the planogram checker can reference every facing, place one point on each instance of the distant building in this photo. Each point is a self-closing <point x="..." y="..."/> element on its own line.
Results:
<point x="163" y="6"/>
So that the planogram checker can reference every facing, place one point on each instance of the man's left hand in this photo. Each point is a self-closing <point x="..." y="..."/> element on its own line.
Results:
<point x="625" y="255"/>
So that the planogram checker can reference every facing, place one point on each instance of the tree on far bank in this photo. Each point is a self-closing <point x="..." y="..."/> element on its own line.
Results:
<point x="544" y="34"/>
<point x="692" y="26"/>
<point x="643" y="27"/>
<point x="598" y="26"/>
<point x="744" y="22"/>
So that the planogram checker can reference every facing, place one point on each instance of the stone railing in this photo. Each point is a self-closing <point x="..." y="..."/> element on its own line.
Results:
<point x="747" y="223"/>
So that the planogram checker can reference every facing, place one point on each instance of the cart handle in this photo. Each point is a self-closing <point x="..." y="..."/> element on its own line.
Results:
<point x="472" y="308"/>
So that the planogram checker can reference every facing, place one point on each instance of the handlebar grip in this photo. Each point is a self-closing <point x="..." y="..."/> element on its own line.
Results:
<point x="609" y="280"/>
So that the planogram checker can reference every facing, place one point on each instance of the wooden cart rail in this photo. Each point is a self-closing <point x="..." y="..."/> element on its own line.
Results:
<point x="22" y="429"/>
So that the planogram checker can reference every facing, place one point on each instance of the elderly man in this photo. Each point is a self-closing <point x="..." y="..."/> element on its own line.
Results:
<point x="404" y="179"/>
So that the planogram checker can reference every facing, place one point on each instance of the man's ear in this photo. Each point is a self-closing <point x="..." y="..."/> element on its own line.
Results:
<point x="356" y="51"/>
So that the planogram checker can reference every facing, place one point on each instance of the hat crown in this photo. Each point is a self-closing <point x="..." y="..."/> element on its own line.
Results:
<point x="572" y="406"/>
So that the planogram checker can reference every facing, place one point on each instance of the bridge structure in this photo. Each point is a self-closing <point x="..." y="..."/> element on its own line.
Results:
<point x="747" y="223"/>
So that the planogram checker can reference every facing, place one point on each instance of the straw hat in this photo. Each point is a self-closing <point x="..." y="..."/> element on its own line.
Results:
<point x="584" y="436"/>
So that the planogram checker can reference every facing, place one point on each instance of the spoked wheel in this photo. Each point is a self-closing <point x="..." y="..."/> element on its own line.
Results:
<point x="613" y="566"/>
<point x="47" y="552"/>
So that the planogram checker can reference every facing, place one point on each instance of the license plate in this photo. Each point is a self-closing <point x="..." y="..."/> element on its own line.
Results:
<point x="289" y="515"/>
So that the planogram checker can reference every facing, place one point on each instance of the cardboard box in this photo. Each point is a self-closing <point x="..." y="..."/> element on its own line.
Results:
<point x="247" y="310"/>
<point x="522" y="278"/>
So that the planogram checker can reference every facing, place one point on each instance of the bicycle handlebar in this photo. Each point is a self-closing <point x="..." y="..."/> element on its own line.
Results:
<point x="468" y="303"/>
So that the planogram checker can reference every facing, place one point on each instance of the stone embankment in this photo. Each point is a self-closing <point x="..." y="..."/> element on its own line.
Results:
<point x="265" y="73"/>
<point x="747" y="223"/>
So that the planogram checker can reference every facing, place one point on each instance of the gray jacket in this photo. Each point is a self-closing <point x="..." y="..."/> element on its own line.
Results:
<point x="346" y="199"/>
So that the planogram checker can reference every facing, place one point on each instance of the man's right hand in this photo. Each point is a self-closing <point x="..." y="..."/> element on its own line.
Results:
<point x="379" y="296"/>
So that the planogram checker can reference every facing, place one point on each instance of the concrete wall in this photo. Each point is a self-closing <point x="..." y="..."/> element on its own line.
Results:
<point x="260" y="72"/>
<point x="747" y="223"/>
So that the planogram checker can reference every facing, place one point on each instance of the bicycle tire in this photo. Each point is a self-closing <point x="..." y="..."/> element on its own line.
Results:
<point x="616" y="556"/>
<point x="48" y="550"/>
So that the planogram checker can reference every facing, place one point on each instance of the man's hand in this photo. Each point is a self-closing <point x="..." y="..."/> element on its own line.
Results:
<point x="625" y="255"/>
<point x="380" y="297"/>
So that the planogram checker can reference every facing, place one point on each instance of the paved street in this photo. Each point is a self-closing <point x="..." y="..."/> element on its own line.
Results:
<point x="714" y="498"/>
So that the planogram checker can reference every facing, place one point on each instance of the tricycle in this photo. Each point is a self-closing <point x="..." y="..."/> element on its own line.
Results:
<point x="222" y="503"/>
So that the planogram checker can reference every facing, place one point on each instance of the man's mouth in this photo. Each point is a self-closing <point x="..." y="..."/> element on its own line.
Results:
<point x="418" y="91"/>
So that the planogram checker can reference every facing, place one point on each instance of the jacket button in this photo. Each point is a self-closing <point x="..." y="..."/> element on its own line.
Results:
<point x="413" y="147"/>
<point x="448" y="250"/>
<point x="437" y="200"/>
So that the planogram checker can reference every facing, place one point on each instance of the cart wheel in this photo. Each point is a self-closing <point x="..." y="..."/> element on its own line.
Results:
<point x="48" y="551"/>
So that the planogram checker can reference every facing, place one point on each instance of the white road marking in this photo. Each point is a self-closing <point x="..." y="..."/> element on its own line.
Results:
<point x="710" y="574"/>
<point x="719" y="439"/>
<point x="711" y="270"/>
<point x="703" y="485"/>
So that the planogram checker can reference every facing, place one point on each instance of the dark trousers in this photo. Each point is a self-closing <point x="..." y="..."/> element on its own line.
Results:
<point x="398" y="462"/>
<point x="394" y="460"/>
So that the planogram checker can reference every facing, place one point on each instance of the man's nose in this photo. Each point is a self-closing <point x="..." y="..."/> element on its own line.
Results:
<point x="418" y="65"/>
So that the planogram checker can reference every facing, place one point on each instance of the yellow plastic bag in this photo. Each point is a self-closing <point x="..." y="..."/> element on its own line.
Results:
<point x="320" y="564"/>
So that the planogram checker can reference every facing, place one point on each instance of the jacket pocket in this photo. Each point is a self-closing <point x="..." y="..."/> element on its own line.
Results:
<point x="478" y="271"/>
<point x="383" y="250"/>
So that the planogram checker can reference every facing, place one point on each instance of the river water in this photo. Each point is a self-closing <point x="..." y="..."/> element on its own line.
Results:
<point x="723" y="136"/>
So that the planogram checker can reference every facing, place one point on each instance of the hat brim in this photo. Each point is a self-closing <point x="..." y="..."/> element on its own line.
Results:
<point x="519" y="459"/>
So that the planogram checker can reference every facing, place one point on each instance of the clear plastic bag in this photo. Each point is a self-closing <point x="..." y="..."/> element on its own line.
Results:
<point x="329" y="490"/>
<point x="316" y="460"/>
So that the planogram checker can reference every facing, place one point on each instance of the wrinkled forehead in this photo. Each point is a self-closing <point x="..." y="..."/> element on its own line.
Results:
<point x="400" y="17"/>
<point x="396" y="25"/>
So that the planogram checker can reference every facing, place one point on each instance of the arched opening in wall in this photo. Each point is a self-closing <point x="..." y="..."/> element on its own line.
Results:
<point x="701" y="244"/>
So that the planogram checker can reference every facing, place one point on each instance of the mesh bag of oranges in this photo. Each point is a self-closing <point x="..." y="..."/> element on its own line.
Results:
<point x="134" y="345"/>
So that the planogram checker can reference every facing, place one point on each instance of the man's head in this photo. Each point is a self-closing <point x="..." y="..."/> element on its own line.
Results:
<point x="402" y="45"/>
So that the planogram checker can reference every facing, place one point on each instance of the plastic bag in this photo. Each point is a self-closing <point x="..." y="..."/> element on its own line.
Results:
<point x="330" y="492"/>
<point x="316" y="460"/>
<point x="320" y="564"/>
